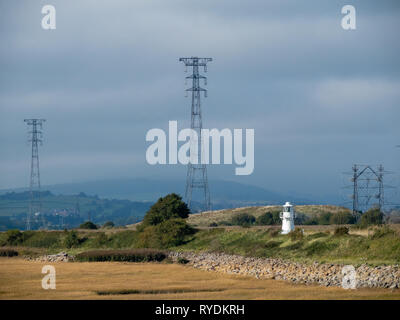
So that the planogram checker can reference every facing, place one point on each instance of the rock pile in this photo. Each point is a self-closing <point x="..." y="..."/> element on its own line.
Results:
<point x="59" y="257"/>
<point x="315" y="273"/>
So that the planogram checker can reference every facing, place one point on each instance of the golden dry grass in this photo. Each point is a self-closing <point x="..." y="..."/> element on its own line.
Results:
<point x="20" y="279"/>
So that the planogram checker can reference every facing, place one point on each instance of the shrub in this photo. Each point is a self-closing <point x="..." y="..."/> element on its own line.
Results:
<point x="132" y="255"/>
<point x="269" y="218"/>
<point x="373" y="216"/>
<point x="341" y="231"/>
<point x="166" y="234"/>
<point x="88" y="225"/>
<point x="71" y="240"/>
<point x="8" y="253"/>
<point x="213" y="224"/>
<point x="296" y="234"/>
<point x="342" y="217"/>
<point x="324" y="218"/>
<point x="14" y="237"/>
<point x="169" y="207"/>
<point x="108" y="224"/>
<point x="243" y="219"/>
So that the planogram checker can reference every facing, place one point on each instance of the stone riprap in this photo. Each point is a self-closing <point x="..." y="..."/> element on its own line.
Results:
<point x="59" y="257"/>
<point x="315" y="273"/>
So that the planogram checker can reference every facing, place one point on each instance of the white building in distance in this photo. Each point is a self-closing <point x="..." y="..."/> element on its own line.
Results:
<point x="287" y="217"/>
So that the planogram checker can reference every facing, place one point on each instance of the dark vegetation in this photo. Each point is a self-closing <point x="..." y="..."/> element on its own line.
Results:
<point x="164" y="225"/>
<point x="88" y="225"/>
<point x="157" y="291"/>
<point x="134" y="255"/>
<point x="5" y="252"/>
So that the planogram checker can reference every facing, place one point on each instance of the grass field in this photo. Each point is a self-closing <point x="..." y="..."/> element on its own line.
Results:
<point x="21" y="279"/>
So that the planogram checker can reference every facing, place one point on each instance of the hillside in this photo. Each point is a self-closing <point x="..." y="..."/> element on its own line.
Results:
<point x="205" y="219"/>
<point x="224" y="194"/>
<point x="68" y="211"/>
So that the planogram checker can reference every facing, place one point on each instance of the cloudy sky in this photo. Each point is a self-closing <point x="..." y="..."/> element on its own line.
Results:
<point x="319" y="98"/>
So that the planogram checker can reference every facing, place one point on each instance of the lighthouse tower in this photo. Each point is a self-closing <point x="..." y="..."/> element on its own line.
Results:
<point x="287" y="217"/>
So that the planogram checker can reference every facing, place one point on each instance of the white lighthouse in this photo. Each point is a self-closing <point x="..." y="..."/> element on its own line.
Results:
<point x="287" y="217"/>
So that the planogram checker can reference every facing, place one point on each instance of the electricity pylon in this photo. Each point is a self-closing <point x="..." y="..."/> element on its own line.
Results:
<point x="197" y="172"/>
<point x="35" y="203"/>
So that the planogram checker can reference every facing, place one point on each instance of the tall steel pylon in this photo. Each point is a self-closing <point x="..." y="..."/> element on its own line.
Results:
<point x="35" y="203"/>
<point x="367" y="186"/>
<point x="197" y="173"/>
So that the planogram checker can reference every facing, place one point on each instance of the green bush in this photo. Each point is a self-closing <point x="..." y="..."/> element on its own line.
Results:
<point x="243" y="219"/>
<point x="373" y="216"/>
<point x="108" y="224"/>
<point x="71" y="240"/>
<point x="324" y="218"/>
<point x="88" y="225"/>
<point x="169" y="207"/>
<point x="341" y="231"/>
<point x="14" y="237"/>
<point x="268" y="218"/>
<point x="8" y="252"/>
<point x="132" y="255"/>
<point x="296" y="234"/>
<point x="166" y="234"/>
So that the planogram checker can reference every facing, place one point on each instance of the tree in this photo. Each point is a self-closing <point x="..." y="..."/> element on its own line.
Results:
<point x="108" y="224"/>
<point x="163" y="225"/>
<point x="265" y="219"/>
<point x="88" y="225"/>
<point x="14" y="237"/>
<point x="169" y="207"/>
<point x="71" y="240"/>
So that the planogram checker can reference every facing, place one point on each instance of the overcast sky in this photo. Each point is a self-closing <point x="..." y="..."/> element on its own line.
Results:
<point x="319" y="98"/>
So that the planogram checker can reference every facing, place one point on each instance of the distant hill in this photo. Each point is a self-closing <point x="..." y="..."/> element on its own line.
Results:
<point x="68" y="211"/>
<point x="224" y="194"/>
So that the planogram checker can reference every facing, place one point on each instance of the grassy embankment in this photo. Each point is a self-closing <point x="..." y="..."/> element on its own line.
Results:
<point x="319" y="243"/>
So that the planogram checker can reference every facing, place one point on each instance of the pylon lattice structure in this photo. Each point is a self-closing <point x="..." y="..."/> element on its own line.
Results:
<point x="197" y="173"/>
<point x="35" y="203"/>
<point x="367" y="187"/>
